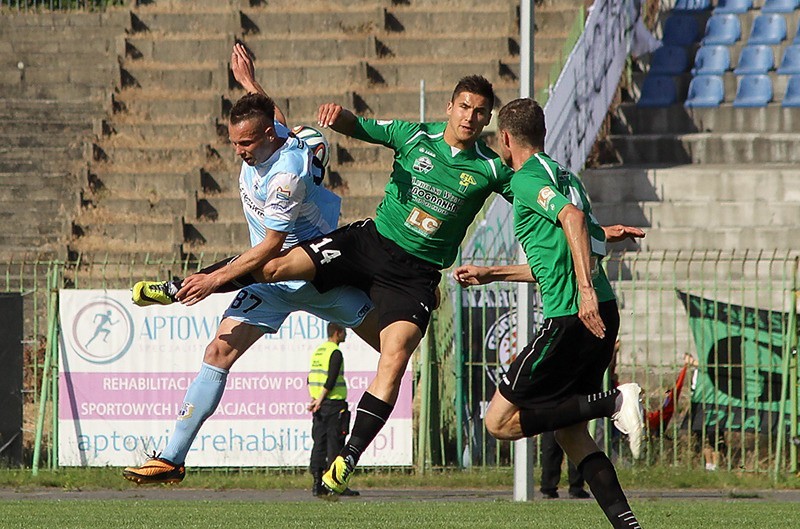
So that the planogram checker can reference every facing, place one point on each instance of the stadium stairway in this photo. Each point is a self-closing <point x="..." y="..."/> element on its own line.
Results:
<point x="126" y="129"/>
<point x="716" y="187"/>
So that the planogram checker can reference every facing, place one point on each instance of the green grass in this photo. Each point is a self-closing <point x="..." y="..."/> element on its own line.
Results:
<point x="650" y="477"/>
<point x="672" y="514"/>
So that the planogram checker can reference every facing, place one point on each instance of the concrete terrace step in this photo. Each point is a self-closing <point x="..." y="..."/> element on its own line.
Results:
<point x="178" y="156"/>
<point x="703" y="148"/>
<point x="499" y="18"/>
<point x="700" y="213"/>
<point x="133" y="182"/>
<point x="149" y="132"/>
<point x="219" y="21"/>
<point x="148" y="204"/>
<point x="157" y="105"/>
<point x="358" y="207"/>
<point x="54" y="137"/>
<point x="708" y="183"/>
<point x="722" y="238"/>
<point x="444" y="45"/>
<point x="58" y="20"/>
<point x="408" y="71"/>
<point x="350" y="20"/>
<point x="311" y="47"/>
<point x="359" y="180"/>
<point x="177" y="48"/>
<point x="73" y="111"/>
<point x="211" y="76"/>
<point x="31" y="43"/>
<point x="232" y="235"/>
<point x="677" y="119"/>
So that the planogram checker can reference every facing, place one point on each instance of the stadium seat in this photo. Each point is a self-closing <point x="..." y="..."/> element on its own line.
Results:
<point x="733" y="7"/>
<point x="658" y="91"/>
<point x="722" y="30"/>
<point x="705" y="91"/>
<point x="680" y="30"/>
<point x="753" y="91"/>
<point x="712" y="60"/>
<point x="780" y="6"/>
<point x="669" y="60"/>
<point x="768" y="29"/>
<point x="755" y="60"/>
<point x="692" y="5"/>
<point x="790" y="64"/>
<point x="792" y="96"/>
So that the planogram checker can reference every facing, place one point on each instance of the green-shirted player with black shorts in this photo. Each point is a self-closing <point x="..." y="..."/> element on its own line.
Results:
<point x="441" y="176"/>
<point x="555" y="382"/>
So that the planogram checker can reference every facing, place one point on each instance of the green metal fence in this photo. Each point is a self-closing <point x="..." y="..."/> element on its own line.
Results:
<point x="735" y="313"/>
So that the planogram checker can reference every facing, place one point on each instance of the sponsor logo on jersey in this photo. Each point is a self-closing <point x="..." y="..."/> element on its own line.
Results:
<point x="423" y="150"/>
<point x="384" y="122"/>
<point x="545" y="196"/>
<point x="283" y="193"/>
<point x="466" y="180"/>
<point x="423" y="164"/>
<point x="423" y="222"/>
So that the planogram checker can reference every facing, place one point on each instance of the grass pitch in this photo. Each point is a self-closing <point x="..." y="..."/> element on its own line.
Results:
<point x="672" y="514"/>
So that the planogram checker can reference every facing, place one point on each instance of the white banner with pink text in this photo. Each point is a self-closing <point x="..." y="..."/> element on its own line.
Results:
<point x="124" y="370"/>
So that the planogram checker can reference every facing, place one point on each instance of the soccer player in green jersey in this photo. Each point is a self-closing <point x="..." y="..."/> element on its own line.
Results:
<point x="441" y="176"/>
<point x="555" y="383"/>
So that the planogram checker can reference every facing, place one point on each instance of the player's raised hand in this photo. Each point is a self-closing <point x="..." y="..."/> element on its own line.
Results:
<point x="242" y="67"/>
<point x="328" y="113"/>
<point x="618" y="232"/>
<point x="469" y="275"/>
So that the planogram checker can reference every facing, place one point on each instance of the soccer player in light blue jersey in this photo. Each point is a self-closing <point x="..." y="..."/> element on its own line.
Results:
<point x="283" y="204"/>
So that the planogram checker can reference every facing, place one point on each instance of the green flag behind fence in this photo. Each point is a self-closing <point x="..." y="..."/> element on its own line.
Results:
<point x="740" y="353"/>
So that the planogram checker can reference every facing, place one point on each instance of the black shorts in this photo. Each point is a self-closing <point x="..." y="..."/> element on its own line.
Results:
<point x="402" y="287"/>
<point x="564" y="359"/>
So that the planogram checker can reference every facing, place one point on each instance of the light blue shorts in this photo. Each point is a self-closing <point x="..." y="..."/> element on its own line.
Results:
<point x="267" y="305"/>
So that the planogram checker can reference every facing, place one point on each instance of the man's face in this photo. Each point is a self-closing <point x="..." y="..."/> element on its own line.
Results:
<point x="467" y="115"/>
<point x="253" y="140"/>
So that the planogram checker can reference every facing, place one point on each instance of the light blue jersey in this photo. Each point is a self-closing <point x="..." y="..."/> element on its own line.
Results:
<point x="280" y="194"/>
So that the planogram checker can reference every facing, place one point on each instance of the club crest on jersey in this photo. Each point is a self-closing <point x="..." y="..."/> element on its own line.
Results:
<point x="423" y="164"/>
<point x="283" y="194"/>
<point x="466" y="180"/>
<point x="545" y="196"/>
<point x="423" y="222"/>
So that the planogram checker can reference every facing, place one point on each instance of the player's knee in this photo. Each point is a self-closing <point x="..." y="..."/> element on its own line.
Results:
<point x="218" y="354"/>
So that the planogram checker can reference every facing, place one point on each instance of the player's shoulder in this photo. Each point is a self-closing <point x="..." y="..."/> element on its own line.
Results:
<point x="491" y="162"/>
<point x="293" y="158"/>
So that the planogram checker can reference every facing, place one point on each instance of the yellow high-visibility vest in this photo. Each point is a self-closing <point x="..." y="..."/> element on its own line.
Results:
<point x="320" y="362"/>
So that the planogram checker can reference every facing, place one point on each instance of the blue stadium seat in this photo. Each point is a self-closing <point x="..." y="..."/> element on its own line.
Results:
<point x="733" y="7"/>
<point x="680" y="30"/>
<point x="792" y="96"/>
<point x="780" y="6"/>
<point x="790" y="64"/>
<point x="658" y="91"/>
<point x="669" y="60"/>
<point x="768" y="29"/>
<point x="692" y="5"/>
<point x="712" y="60"/>
<point x="705" y="91"/>
<point x="753" y="91"/>
<point x="722" y="30"/>
<point x="755" y="60"/>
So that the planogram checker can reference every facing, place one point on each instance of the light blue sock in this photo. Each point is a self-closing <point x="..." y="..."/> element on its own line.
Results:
<point x="200" y="401"/>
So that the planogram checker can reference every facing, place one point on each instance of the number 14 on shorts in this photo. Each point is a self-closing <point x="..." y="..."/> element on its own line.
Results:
<point x="327" y="255"/>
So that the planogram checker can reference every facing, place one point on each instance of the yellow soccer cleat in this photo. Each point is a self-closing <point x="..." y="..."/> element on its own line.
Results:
<point x="336" y="478"/>
<point x="155" y="470"/>
<point x="146" y="293"/>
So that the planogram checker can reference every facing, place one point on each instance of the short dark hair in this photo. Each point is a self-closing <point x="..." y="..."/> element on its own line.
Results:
<point x="253" y="106"/>
<point x="475" y="84"/>
<point x="334" y="328"/>
<point x="524" y="119"/>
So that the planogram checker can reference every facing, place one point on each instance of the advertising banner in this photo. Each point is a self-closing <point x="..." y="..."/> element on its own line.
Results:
<point x="124" y="370"/>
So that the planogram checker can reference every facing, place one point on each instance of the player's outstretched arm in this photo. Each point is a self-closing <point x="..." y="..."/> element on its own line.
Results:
<point x="245" y="74"/>
<point x="618" y="232"/>
<point x="337" y="118"/>
<point x="469" y="275"/>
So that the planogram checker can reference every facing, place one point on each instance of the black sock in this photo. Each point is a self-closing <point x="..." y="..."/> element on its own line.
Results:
<point x="573" y="410"/>
<point x="371" y="414"/>
<point x="599" y="473"/>
<point x="233" y="285"/>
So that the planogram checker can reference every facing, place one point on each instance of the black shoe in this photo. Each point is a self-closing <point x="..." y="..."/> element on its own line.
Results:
<point x="350" y="492"/>
<point x="550" y="494"/>
<point x="579" y="494"/>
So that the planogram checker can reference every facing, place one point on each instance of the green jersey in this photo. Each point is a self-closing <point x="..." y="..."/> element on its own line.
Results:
<point x="541" y="189"/>
<point x="435" y="190"/>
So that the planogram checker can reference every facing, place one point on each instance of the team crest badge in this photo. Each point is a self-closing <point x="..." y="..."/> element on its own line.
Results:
<point x="423" y="164"/>
<point x="466" y="180"/>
